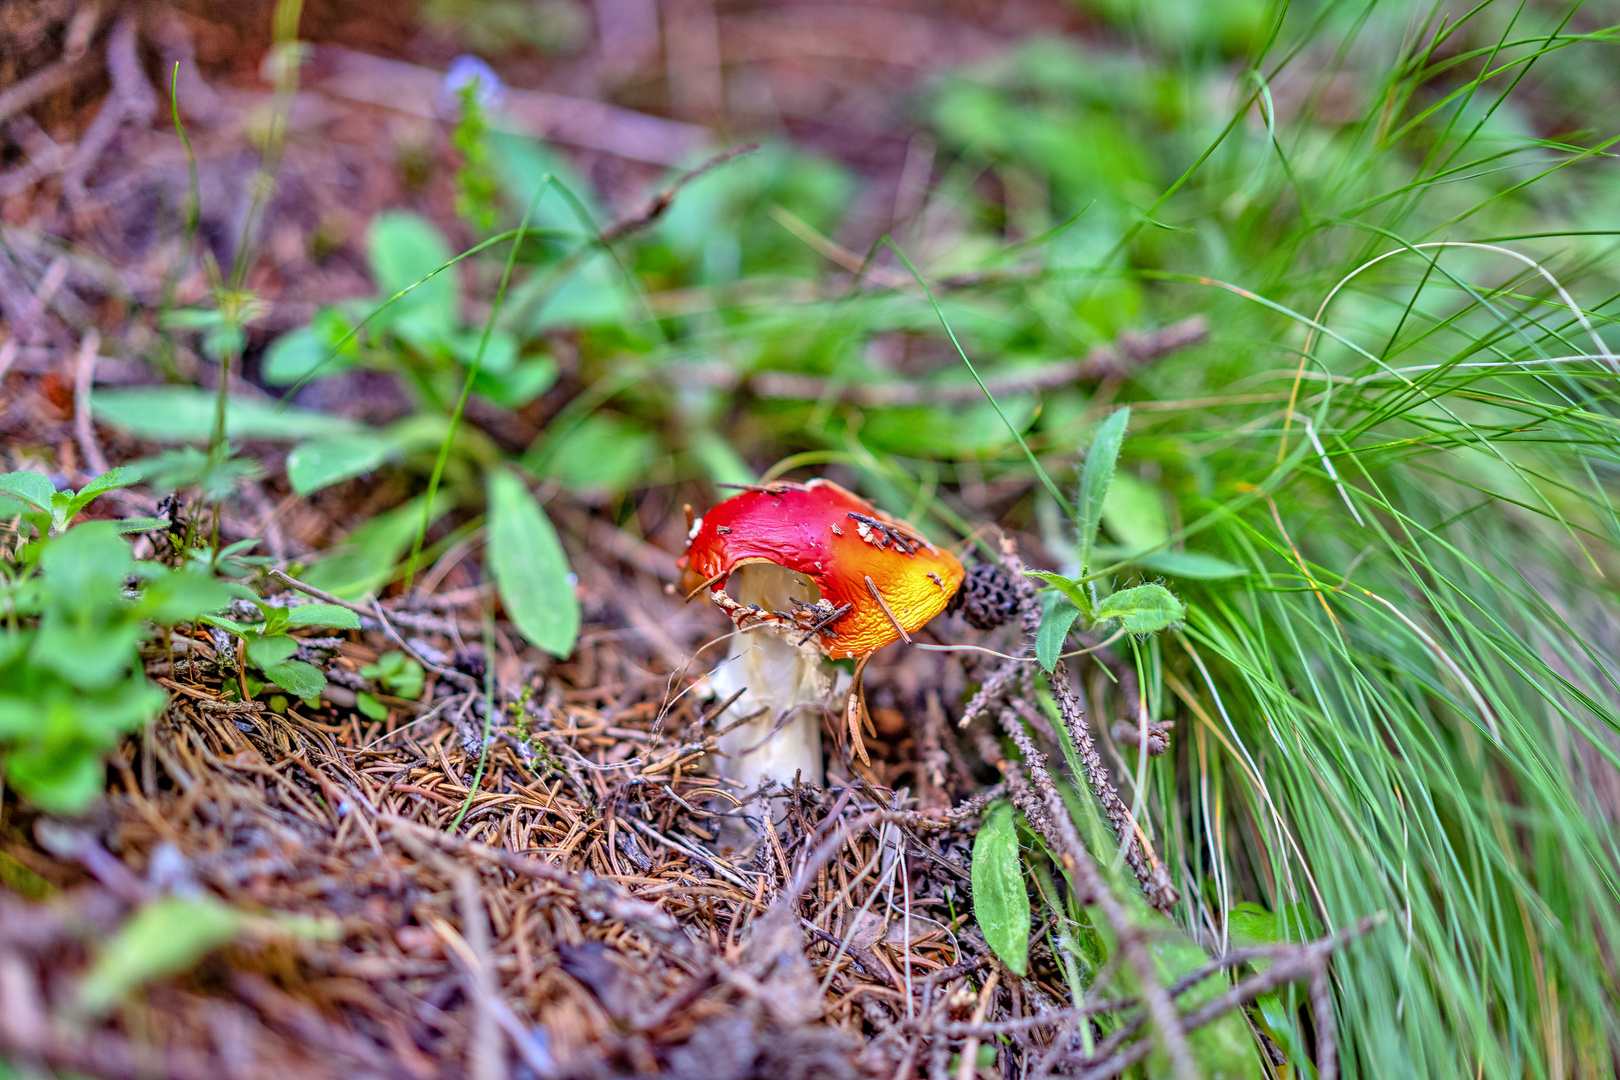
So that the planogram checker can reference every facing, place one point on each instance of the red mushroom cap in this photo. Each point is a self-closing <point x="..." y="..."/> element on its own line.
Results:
<point x="879" y="578"/>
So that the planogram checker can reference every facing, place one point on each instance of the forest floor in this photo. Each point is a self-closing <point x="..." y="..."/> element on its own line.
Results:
<point x="401" y="926"/>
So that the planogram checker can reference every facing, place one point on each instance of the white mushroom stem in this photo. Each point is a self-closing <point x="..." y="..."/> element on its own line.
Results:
<point x="777" y="674"/>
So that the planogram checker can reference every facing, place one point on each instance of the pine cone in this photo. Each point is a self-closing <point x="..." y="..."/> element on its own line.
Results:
<point x="987" y="598"/>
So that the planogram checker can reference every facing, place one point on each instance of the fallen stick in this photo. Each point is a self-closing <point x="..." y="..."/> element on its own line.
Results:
<point x="1120" y="357"/>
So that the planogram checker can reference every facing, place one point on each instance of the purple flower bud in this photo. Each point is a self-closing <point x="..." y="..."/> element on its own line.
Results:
<point x="465" y="70"/>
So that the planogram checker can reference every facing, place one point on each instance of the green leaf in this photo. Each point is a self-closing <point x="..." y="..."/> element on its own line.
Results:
<point x="1000" y="902"/>
<point x="719" y="458"/>
<point x="163" y="937"/>
<point x="404" y="249"/>
<point x="513" y="389"/>
<point x="32" y="487"/>
<point x="1135" y="513"/>
<point x="593" y="295"/>
<point x="303" y="352"/>
<point x="1074" y="591"/>
<point x="186" y="414"/>
<point x="397" y="672"/>
<point x="1095" y="480"/>
<point x="1191" y="564"/>
<point x="123" y="476"/>
<point x="140" y="525"/>
<point x="55" y="737"/>
<point x="1056" y="619"/>
<point x="603" y="455"/>
<point x="324" y="462"/>
<point x="266" y="652"/>
<point x="1146" y="609"/>
<point x="297" y="678"/>
<point x="529" y="566"/>
<point x="179" y="596"/>
<point x="370" y="707"/>
<point x="368" y="556"/>
<point x="191" y="466"/>
<point x="322" y="615"/>
<point x="1250" y="924"/>
<point x="244" y="629"/>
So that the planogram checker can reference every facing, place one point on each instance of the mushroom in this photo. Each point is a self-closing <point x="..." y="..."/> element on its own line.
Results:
<point x="806" y="572"/>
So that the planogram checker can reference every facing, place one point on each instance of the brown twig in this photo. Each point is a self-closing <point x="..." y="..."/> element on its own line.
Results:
<point x="471" y="948"/>
<point x="1120" y="357"/>
<point x="132" y="98"/>
<point x="1155" y="882"/>
<point x="660" y="204"/>
<point x="592" y="890"/>
<point x="42" y="84"/>
<point x="1094" y="891"/>
<point x="84" y="375"/>
<point x="1294" y="963"/>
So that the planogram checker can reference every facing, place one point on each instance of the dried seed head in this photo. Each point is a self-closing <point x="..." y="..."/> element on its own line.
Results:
<point x="987" y="598"/>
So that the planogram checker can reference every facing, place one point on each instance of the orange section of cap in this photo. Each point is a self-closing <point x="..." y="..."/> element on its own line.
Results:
<point x="838" y="540"/>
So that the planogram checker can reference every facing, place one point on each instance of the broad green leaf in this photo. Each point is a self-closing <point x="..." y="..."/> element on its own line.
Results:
<point x="500" y="353"/>
<point x="186" y="414"/>
<point x="1075" y="592"/>
<point x="368" y="556"/>
<point x="267" y="652"/>
<point x="307" y="350"/>
<point x="179" y="596"/>
<point x="1249" y="924"/>
<point x="1146" y="609"/>
<point x="163" y="937"/>
<point x="31" y="487"/>
<point x="1056" y="619"/>
<point x="719" y="459"/>
<point x="513" y="389"/>
<point x="65" y="504"/>
<point x="324" y="462"/>
<point x="297" y="678"/>
<point x="398" y="673"/>
<point x="322" y="615"/>
<point x="593" y="295"/>
<point x="1000" y="901"/>
<point x="529" y="566"/>
<point x="139" y="525"/>
<point x="232" y="625"/>
<point x="123" y="476"/>
<point x="191" y="466"/>
<point x="404" y="249"/>
<point x="1095" y="480"/>
<point x="370" y="707"/>
<point x="1194" y="565"/>
<point x="90" y="656"/>
<point x="603" y="455"/>
<point x="1135" y="513"/>
<point x="54" y="739"/>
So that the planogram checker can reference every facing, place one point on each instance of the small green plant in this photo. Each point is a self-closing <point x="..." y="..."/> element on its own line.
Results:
<point x="396" y="673"/>
<point x="35" y="499"/>
<point x="270" y="647"/>
<point x="1139" y="611"/>
<point x="77" y="606"/>
<point x="477" y="187"/>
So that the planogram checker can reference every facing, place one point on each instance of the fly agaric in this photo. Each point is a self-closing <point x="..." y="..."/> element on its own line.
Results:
<point x="805" y="571"/>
